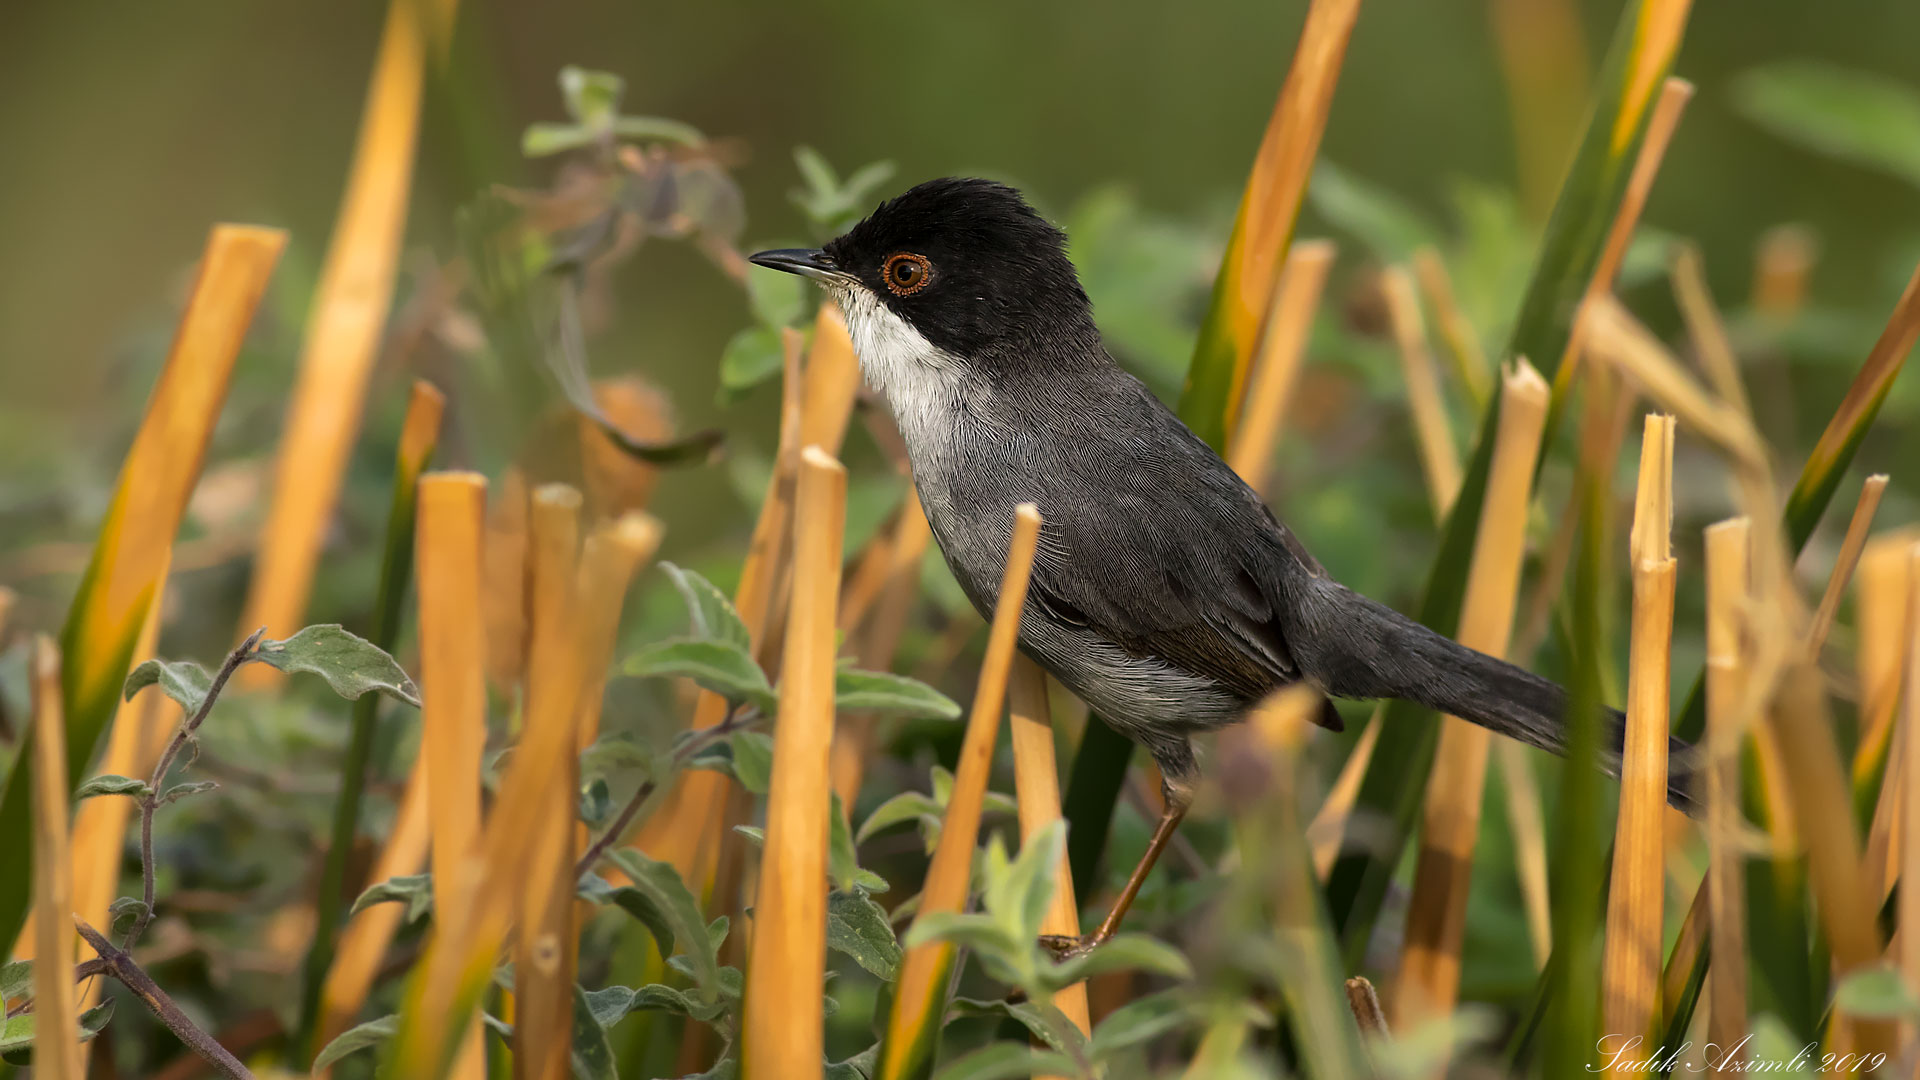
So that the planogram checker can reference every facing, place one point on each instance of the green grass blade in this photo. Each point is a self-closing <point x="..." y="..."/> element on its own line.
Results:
<point x="1396" y="779"/>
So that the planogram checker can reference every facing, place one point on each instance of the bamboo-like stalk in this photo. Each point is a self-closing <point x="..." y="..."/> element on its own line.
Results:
<point x="131" y="552"/>
<point x="544" y="954"/>
<point x="1439" y="457"/>
<point x="1706" y="329"/>
<point x="454" y="644"/>
<point x="1462" y="340"/>
<point x="1621" y="340"/>
<point x="348" y="314"/>
<point x="1909" y="913"/>
<point x="56" y="1040"/>
<point x="504" y="594"/>
<point x="1674" y="95"/>
<point x="612" y="554"/>
<point x="919" y="1001"/>
<point x="781" y="1030"/>
<point x="1269" y="207"/>
<point x="1882" y="628"/>
<point x="1843" y="565"/>
<point x="1630" y="976"/>
<point x="1783" y="260"/>
<point x="1283" y="343"/>
<point x="1528" y="820"/>
<point x="1727" y="601"/>
<point x="364" y="941"/>
<point x="1036" y="788"/>
<point x="898" y="589"/>
<point x="1429" y="982"/>
<point x="830" y="383"/>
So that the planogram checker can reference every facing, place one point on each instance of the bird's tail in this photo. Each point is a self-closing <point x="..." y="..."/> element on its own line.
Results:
<point x="1357" y="648"/>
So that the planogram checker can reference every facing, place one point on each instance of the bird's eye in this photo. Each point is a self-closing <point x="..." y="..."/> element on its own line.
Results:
<point x="906" y="273"/>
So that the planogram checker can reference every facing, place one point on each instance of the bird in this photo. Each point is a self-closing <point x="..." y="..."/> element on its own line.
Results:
<point x="1164" y="592"/>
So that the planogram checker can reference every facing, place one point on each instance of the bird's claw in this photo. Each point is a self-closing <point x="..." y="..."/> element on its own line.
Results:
<point x="1065" y="947"/>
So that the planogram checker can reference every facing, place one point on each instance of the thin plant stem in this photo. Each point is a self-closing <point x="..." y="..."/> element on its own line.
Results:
<point x="697" y="740"/>
<point x="121" y="966"/>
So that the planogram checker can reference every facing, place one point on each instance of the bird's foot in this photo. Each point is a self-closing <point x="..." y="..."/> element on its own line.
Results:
<point x="1064" y="947"/>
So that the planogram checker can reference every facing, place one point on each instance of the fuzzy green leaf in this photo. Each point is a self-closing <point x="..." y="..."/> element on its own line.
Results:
<point x="1006" y="1061"/>
<point x="1878" y="993"/>
<point x="190" y="788"/>
<point x="413" y="890"/>
<point x="182" y="680"/>
<point x="1044" y="1020"/>
<point x="720" y="666"/>
<point x="1124" y="952"/>
<point x="857" y="927"/>
<point x="712" y="614"/>
<point x="640" y="905"/>
<point x="592" y="1053"/>
<point x="894" y="695"/>
<point x="546" y="138"/>
<point x="751" y="357"/>
<point x="351" y="664"/>
<point x="108" y="784"/>
<point x="678" y="910"/>
<point x="1864" y="118"/>
<point x="364" y="1037"/>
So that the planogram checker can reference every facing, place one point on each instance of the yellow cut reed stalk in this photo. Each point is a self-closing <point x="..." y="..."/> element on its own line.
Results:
<point x="1782" y="263"/>
<point x="898" y="588"/>
<point x="1630" y="974"/>
<point x="1843" y="565"/>
<point x="1728" y="590"/>
<point x="125" y="573"/>
<point x="56" y="1040"/>
<point x="919" y="1001"/>
<point x="612" y="554"/>
<point x="1659" y="22"/>
<point x="544" y="954"/>
<point x="1269" y="207"/>
<point x="505" y="583"/>
<point x="1881" y="614"/>
<point x="344" y="325"/>
<point x="830" y="384"/>
<point x="782" y="1033"/>
<point x="1528" y="820"/>
<point x="1910" y="807"/>
<point x="364" y="941"/>
<point x="1439" y="457"/>
<point x="1036" y="790"/>
<point x="454" y="640"/>
<point x="1283" y="345"/>
<point x="1429" y="981"/>
<point x="1626" y="344"/>
<point x="1462" y="340"/>
<point x="1706" y="329"/>
<point x="1543" y="56"/>
<point x="1330" y="821"/>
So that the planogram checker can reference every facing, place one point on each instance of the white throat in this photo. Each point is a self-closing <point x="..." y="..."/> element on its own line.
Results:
<point x="921" y="382"/>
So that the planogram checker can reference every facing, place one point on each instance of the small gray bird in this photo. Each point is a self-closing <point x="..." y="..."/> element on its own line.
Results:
<point x="1164" y="593"/>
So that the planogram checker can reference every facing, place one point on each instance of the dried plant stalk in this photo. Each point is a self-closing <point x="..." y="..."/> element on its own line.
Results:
<point x="505" y="583"/>
<point x="1631" y="348"/>
<point x="1843" y="565"/>
<point x="545" y="945"/>
<point x="454" y="650"/>
<point x="919" y="1000"/>
<point x="364" y="941"/>
<point x="1630" y="976"/>
<point x="1462" y="340"/>
<point x="898" y="588"/>
<point x="1283" y="344"/>
<point x="1036" y="787"/>
<point x="831" y="382"/>
<point x="1528" y="820"/>
<point x="349" y="311"/>
<point x="782" y="1032"/>
<point x="1910" y="807"/>
<point x="612" y="554"/>
<point x="1881" y="614"/>
<point x="1705" y="327"/>
<point x="1782" y="263"/>
<point x="1728" y="546"/>
<point x="56" y="1040"/>
<point x="1439" y="458"/>
<point x="1329" y="823"/>
<point x="1429" y="982"/>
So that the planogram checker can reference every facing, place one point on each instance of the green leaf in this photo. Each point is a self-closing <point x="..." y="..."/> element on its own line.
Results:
<point x="752" y="760"/>
<point x="621" y="753"/>
<point x="678" y="910"/>
<point x="1043" y="1019"/>
<point x="896" y="695"/>
<point x="181" y="791"/>
<point x="1859" y="117"/>
<point x="1006" y="1061"/>
<point x="751" y="357"/>
<point x="591" y="97"/>
<point x="596" y="803"/>
<point x="592" y="1053"/>
<point x="657" y="129"/>
<point x="720" y="666"/>
<point x="413" y="890"/>
<point x="108" y="784"/>
<point x="16" y="980"/>
<point x="776" y="298"/>
<point x="712" y="614"/>
<point x="351" y="664"/>
<point x="857" y="927"/>
<point x="1006" y="957"/>
<point x="16" y="1033"/>
<point x="1019" y="897"/>
<point x="182" y="680"/>
<point x="1123" y="952"/>
<point x="1878" y="993"/>
<point x="1377" y="217"/>
<point x="366" y="1036"/>
<point x="125" y="912"/>
<point x="1146" y="1019"/>
<point x="860" y="1066"/>
<point x="843" y="864"/>
<point x="640" y="905"/>
<point x="908" y="806"/>
<point x="814" y="169"/>
<point x="546" y="138"/>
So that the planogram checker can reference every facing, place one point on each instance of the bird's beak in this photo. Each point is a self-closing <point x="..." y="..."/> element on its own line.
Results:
<point x="803" y="261"/>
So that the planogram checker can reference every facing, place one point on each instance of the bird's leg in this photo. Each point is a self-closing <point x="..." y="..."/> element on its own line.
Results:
<point x="1178" y="798"/>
